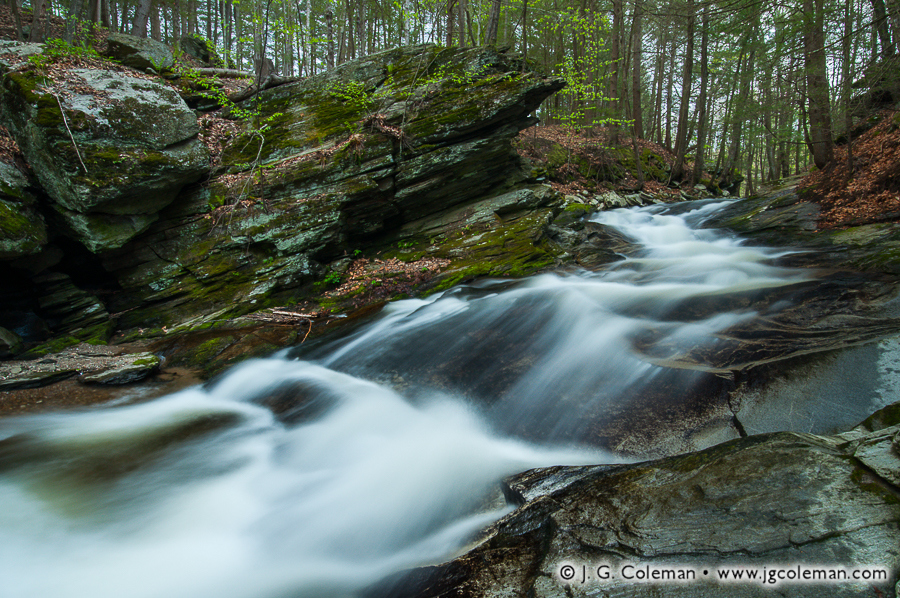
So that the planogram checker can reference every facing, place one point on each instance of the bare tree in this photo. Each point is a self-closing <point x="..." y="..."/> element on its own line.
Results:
<point x="821" y="143"/>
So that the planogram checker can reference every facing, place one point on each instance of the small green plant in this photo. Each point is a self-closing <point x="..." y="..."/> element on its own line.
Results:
<point x="332" y="278"/>
<point x="405" y="244"/>
<point x="57" y="49"/>
<point x="352" y="93"/>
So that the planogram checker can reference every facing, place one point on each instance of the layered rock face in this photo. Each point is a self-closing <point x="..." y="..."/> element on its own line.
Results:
<point x="776" y="500"/>
<point x="409" y="141"/>
<point x="330" y="165"/>
<point x="109" y="148"/>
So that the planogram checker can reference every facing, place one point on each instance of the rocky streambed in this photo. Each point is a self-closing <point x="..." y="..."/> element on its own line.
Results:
<point x="743" y="371"/>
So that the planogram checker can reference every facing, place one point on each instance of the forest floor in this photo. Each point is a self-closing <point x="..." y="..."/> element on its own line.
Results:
<point x="593" y="147"/>
<point x="866" y="189"/>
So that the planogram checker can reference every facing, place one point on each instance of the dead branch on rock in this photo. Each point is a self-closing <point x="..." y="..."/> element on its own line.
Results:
<point x="224" y="73"/>
<point x="271" y="81"/>
<point x="72" y="137"/>
<point x="280" y="317"/>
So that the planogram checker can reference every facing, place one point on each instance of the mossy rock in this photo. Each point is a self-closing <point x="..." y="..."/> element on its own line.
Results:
<point x="22" y="230"/>
<point x="341" y="161"/>
<point x="141" y="53"/>
<point x="120" y="145"/>
<point x="200" y="48"/>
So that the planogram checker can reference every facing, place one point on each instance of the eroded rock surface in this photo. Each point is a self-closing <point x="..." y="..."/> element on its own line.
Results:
<point x="769" y="500"/>
<point x="110" y="148"/>
<point x="410" y="144"/>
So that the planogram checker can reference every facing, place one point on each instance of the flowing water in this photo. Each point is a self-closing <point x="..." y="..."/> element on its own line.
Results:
<point x="320" y="470"/>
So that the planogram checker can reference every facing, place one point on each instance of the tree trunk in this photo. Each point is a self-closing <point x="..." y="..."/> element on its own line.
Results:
<point x="524" y="30"/>
<point x="701" y="101"/>
<point x="361" y="48"/>
<point x="176" y="21"/>
<point x="817" y="83"/>
<point x="105" y="16"/>
<point x="141" y="15"/>
<point x="636" y="45"/>
<point x="329" y="26"/>
<point x="38" y="21"/>
<point x="493" y="24"/>
<point x="670" y="83"/>
<point x="615" y="58"/>
<point x="656" y="133"/>
<point x="73" y="16"/>
<point x="451" y="19"/>
<point x="893" y="8"/>
<point x="683" y="111"/>
<point x="880" y="23"/>
<point x="154" y="26"/>
<point x="462" y="9"/>
<point x="311" y="49"/>
<point x="351" y="42"/>
<point x="228" y="31"/>
<point x="846" y="82"/>
<point x="17" y="19"/>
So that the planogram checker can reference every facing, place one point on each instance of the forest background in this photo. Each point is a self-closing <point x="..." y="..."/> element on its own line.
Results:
<point x="739" y="89"/>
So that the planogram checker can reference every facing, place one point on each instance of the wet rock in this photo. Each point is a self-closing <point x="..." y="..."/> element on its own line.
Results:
<point x="15" y="380"/>
<point x="69" y="310"/>
<point x="611" y="200"/>
<point x="135" y="368"/>
<point x="201" y="49"/>
<point x="110" y="152"/>
<point x="431" y="156"/>
<point x="10" y="343"/>
<point x="94" y="364"/>
<point x="23" y="231"/>
<point x="141" y="53"/>
<point x="765" y="500"/>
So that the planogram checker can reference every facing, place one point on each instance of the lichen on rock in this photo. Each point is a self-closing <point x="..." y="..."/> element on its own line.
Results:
<point x="339" y="161"/>
<point x="106" y="142"/>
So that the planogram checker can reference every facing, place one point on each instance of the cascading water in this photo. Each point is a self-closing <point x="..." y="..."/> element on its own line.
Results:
<point x="317" y="472"/>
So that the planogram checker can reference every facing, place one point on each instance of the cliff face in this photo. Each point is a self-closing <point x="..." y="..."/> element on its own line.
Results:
<point x="329" y="166"/>
<point x="399" y="149"/>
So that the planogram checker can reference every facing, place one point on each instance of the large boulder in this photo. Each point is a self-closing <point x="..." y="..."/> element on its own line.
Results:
<point x="406" y="140"/>
<point x="200" y="48"/>
<point x="141" y="53"/>
<point x="10" y="343"/>
<point x="23" y="231"/>
<point x="773" y="501"/>
<point x="110" y="148"/>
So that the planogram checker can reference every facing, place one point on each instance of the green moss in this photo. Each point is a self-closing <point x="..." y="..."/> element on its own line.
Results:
<point x="872" y="484"/>
<point x="54" y="345"/>
<point x="146" y="361"/>
<point x="203" y="354"/>
<point x="883" y="418"/>
<point x="17" y="224"/>
<point x="511" y="249"/>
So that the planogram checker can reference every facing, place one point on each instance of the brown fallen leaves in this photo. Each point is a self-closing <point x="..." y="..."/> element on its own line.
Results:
<point x="8" y="147"/>
<point x="592" y="147"/>
<point x="370" y="280"/>
<point x="870" y="190"/>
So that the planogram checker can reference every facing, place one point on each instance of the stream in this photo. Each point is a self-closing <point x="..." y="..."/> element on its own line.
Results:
<point x="320" y="470"/>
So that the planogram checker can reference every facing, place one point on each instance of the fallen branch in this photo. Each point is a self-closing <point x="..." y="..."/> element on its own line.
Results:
<point x="271" y="81"/>
<point x="72" y="137"/>
<point x="224" y="73"/>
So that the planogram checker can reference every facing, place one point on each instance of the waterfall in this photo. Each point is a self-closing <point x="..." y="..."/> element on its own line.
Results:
<point x="324" y="468"/>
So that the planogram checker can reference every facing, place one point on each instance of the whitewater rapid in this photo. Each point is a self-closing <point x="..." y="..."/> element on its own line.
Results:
<point x="386" y="446"/>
